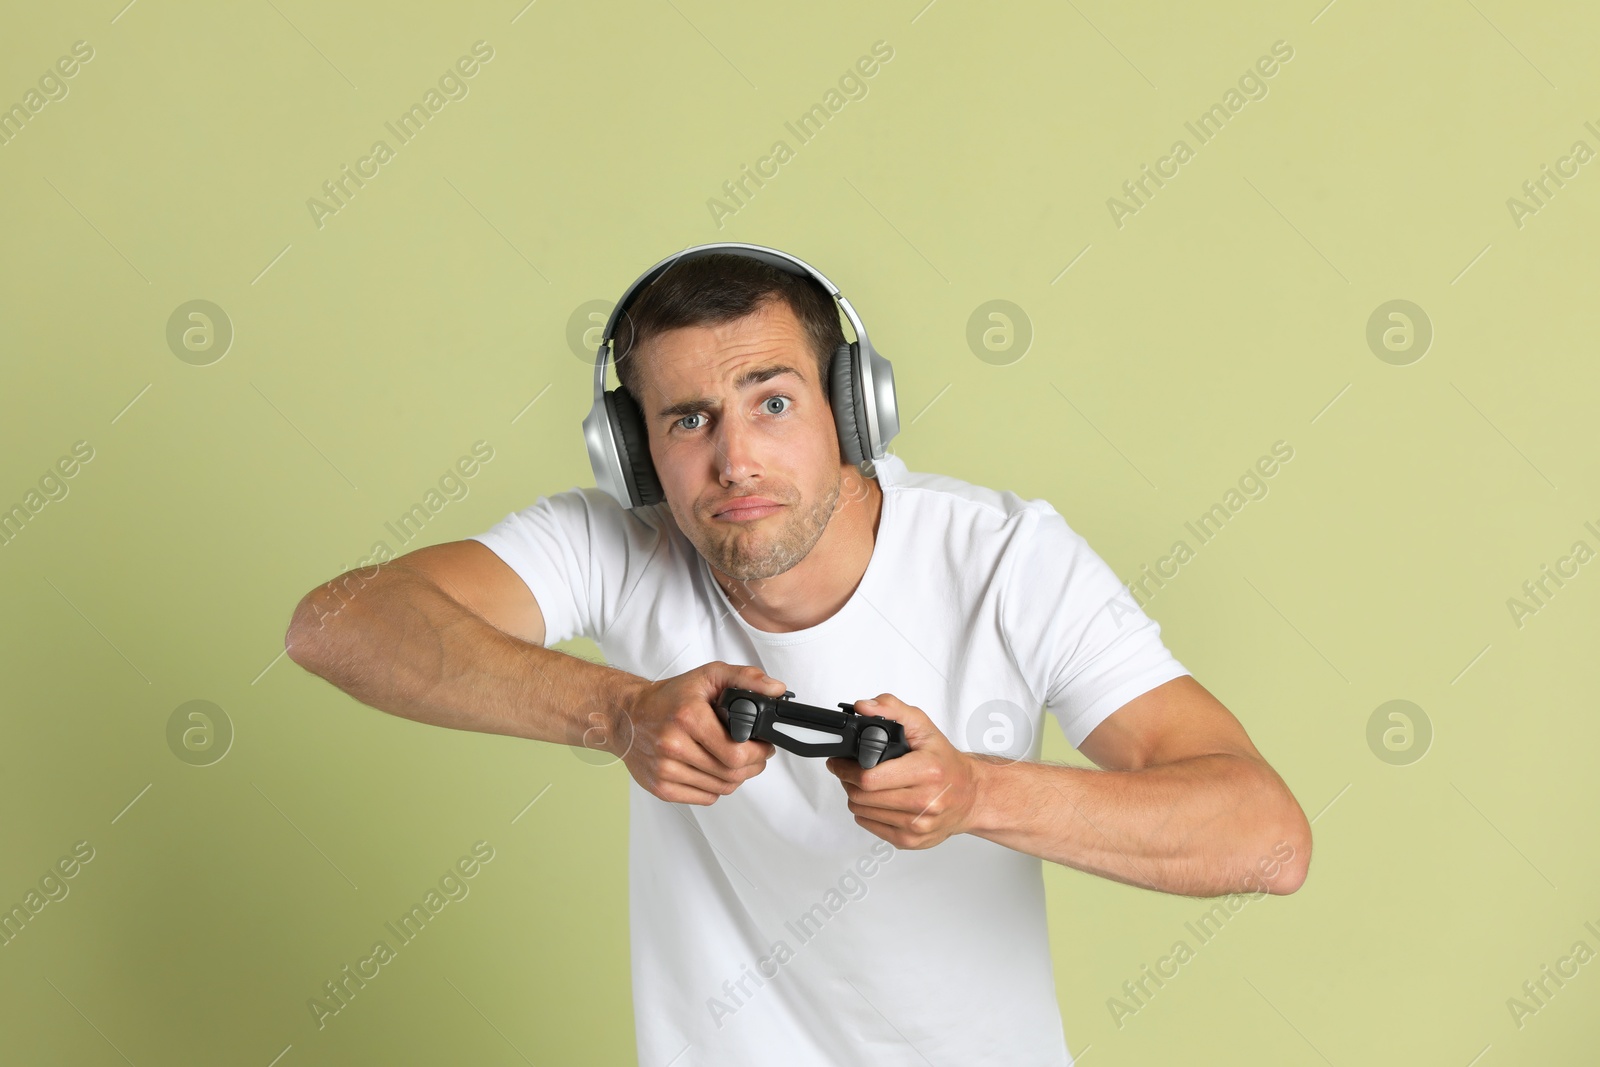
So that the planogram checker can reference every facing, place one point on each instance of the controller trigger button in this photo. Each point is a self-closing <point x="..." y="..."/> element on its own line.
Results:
<point x="874" y="739"/>
<point x="741" y="719"/>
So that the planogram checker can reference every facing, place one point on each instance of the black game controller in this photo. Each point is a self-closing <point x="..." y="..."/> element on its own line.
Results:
<point x="809" y="731"/>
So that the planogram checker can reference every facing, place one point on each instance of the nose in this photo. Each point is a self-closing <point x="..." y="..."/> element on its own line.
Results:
<point x="735" y="445"/>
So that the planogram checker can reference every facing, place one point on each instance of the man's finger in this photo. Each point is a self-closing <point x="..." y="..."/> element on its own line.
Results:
<point x="762" y="682"/>
<point x="732" y="755"/>
<point x="697" y="753"/>
<point x="895" y="817"/>
<point x="678" y="771"/>
<point x="896" y="773"/>
<point x="918" y="727"/>
<point x="882" y="829"/>
<point x="752" y="678"/>
<point x="673" y="793"/>
<point x="896" y="800"/>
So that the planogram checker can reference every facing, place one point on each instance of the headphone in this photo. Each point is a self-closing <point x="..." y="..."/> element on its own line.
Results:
<point x="860" y="385"/>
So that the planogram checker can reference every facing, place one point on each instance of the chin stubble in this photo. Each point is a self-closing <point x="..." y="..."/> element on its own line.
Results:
<point x="770" y="559"/>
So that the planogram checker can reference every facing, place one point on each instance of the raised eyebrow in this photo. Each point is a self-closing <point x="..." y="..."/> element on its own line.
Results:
<point x="754" y="376"/>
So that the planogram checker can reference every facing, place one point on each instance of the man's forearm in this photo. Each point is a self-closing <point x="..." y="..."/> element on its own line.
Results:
<point x="1205" y="826"/>
<point x="404" y="646"/>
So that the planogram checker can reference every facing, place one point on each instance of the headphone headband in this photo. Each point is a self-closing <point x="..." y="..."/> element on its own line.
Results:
<point x="770" y="256"/>
<point x="872" y="376"/>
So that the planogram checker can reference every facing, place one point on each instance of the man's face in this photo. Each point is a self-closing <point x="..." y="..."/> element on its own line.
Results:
<point x="735" y="412"/>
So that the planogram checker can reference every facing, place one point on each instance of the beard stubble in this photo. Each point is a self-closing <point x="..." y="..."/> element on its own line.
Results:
<point x="747" y="555"/>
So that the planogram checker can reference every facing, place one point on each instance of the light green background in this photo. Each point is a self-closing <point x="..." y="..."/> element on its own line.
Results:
<point x="1229" y="313"/>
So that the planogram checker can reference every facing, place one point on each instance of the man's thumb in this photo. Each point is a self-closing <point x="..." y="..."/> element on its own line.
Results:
<point x="757" y="680"/>
<point x="746" y="677"/>
<point x="918" y="727"/>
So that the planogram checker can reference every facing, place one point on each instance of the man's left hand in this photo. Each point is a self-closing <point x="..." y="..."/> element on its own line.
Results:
<point x="915" y="800"/>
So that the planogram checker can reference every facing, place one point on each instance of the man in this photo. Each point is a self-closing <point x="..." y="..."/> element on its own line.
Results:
<point x="786" y="910"/>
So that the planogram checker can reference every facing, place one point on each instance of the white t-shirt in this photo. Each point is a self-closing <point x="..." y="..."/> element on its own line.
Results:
<point x="769" y="927"/>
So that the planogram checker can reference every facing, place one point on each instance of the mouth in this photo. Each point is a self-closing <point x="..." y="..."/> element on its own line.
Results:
<point x="746" y="509"/>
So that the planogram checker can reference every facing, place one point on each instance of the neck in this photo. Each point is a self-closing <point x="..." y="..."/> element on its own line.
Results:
<point x="814" y="589"/>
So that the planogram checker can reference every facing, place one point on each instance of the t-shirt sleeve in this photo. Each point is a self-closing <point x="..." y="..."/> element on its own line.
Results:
<point x="1077" y="633"/>
<point x="578" y="551"/>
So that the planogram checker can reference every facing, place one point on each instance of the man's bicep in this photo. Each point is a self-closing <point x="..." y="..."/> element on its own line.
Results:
<point x="471" y="573"/>
<point x="1178" y="719"/>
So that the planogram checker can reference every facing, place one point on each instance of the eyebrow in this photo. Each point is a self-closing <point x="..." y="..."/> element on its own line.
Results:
<point x="754" y="376"/>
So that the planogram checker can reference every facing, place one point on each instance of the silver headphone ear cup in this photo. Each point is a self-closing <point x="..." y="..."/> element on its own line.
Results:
<point x="847" y="415"/>
<point x="633" y="447"/>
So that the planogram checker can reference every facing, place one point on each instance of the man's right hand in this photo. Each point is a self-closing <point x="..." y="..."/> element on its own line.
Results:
<point x="674" y="744"/>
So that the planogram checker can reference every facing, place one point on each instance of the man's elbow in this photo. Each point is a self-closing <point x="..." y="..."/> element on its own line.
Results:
<point x="305" y="640"/>
<point x="1293" y="846"/>
<point x="1281" y="836"/>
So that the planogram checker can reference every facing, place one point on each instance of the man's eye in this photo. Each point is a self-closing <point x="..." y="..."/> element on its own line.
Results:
<point x="696" y="415"/>
<point x="777" y="397"/>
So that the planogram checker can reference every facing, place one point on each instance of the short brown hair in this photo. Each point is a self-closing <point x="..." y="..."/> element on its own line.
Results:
<point x="717" y="288"/>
